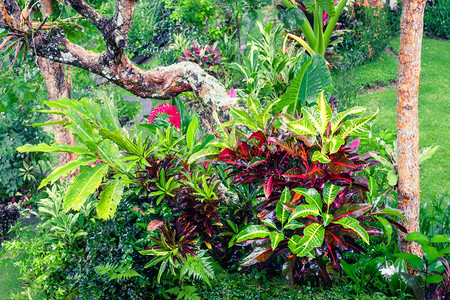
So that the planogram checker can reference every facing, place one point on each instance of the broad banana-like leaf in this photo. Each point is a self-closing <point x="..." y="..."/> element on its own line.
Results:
<point x="353" y="224"/>
<point x="303" y="211"/>
<point x="312" y="238"/>
<point x="109" y="199"/>
<point x="83" y="185"/>
<point x="275" y="239"/>
<point x="311" y="196"/>
<point x="67" y="168"/>
<point x="291" y="98"/>
<point x="330" y="192"/>
<point x="315" y="80"/>
<point x="252" y="232"/>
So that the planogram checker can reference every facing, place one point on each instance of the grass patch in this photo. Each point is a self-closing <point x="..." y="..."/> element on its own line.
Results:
<point x="434" y="105"/>
<point x="9" y="280"/>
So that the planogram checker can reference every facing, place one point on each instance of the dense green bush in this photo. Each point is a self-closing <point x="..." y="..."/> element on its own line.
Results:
<point x="9" y="214"/>
<point x="367" y="33"/>
<point x="436" y="20"/>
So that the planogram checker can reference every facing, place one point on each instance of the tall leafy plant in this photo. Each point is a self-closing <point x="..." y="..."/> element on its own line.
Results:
<point x="317" y="35"/>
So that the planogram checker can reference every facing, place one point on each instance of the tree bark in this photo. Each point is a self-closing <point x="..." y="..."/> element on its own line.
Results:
<point x="411" y="32"/>
<point x="57" y="87"/>
<point x="50" y="42"/>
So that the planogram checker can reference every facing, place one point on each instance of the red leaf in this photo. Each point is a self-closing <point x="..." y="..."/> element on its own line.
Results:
<point x="227" y="153"/>
<point x="154" y="225"/>
<point x="268" y="187"/>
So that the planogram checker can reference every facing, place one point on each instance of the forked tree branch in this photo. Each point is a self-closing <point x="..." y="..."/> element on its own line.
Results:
<point x="114" y="65"/>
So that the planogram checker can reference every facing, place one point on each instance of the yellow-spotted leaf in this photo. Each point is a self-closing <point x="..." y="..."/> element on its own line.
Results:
<point x="353" y="224"/>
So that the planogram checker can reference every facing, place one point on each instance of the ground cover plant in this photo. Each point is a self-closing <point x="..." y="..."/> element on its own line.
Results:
<point x="287" y="192"/>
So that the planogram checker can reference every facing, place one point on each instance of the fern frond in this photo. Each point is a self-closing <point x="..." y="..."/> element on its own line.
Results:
<point x="114" y="271"/>
<point x="198" y="267"/>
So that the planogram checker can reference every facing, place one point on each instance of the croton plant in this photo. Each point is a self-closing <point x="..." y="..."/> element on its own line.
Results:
<point x="313" y="203"/>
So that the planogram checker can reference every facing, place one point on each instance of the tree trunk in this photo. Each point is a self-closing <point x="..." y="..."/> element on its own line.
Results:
<point x="57" y="88"/>
<point x="411" y="32"/>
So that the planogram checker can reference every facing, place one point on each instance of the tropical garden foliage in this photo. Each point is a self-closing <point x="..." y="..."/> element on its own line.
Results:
<point x="290" y="195"/>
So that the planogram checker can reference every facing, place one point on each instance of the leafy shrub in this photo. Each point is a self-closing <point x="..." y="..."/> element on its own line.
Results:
<point x="367" y="35"/>
<point x="436" y="23"/>
<point x="207" y="57"/>
<point x="9" y="214"/>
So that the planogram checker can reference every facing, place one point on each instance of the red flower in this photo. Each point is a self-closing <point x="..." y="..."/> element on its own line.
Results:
<point x="166" y="108"/>
<point x="12" y="201"/>
<point x="31" y="207"/>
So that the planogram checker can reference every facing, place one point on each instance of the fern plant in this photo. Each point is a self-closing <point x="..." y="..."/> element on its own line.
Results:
<point x="115" y="271"/>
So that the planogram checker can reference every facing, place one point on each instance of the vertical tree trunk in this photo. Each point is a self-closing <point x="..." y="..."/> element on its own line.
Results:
<point x="411" y="32"/>
<point x="57" y="88"/>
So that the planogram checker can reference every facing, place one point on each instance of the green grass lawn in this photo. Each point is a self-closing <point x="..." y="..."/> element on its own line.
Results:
<point x="9" y="280"/>
<point x="434" y="105"/>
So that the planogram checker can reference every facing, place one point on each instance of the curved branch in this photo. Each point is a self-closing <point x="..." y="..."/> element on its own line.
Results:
<point x="158" y="83"/>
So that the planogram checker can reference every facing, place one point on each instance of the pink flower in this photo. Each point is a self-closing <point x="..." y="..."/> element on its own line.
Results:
<point x="31" y="208"/>
<point x="232" y="93"/>
<point x="166" y="108"/>
<point x="12" y="201"/>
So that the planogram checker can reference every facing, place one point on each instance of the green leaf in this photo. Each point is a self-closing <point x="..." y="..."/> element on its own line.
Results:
<point x="440" y="238"/>
<point x="269" y="223"/>
<point x="67" y="168"/>
<point x="291" y="98"/>
<point x="281" y="212"/>
<point x="430" y="253"/>
<point x="353" y="127"/>
<point x="392" y="211"/>
<point x="109" y="199"/>
<point x="415" y="261"/>
<point x="293" y="225"/>
<point x="312" y="238"/>
<point x="426" y="153"/>
<point x="312" y="197"/>
<point x="434" y="278"/>
<point x="51" y="123"/>
<point x="252" y="232"/>
<point x="249" y="20"/>
<point x="353" y="224"/>
<point x="318" y="156"/>
<point x="387" y="227"/>
<point x="243" y="118"/>
<point x="315" y="80"/>
<point x="191" y="132"/>
<point x="327" y="6"/>
<point x="330" y="192"/>
<point x="52" y="148"/>
<point x="275" y="239"/>
<point x="83" y="185"/>
<point x="292" y="18"/>
<point x="336" y="121"/>
<point x="324" y="111"/>
<point x="301" y="127"/>
<point x="326" y="219"/>
<point x="121" y="140"/>
<point x="303" y="211"/>
<point x="207" y="152"/>
<point x="418" y="238"/>
<point x="335" y="144"/>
